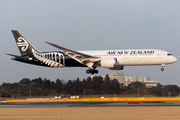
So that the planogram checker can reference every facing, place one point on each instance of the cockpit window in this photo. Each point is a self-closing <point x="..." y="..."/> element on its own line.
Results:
<point x="169" y="54"/>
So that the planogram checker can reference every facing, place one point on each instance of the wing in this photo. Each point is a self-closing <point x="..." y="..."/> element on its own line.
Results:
<point x="84" y="59"/>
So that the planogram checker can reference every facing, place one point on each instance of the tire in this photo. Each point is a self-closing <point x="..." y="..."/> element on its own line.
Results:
<point x="96" y="71"/>
<point x="92" y="71"/>
<point x="87" y="71"/>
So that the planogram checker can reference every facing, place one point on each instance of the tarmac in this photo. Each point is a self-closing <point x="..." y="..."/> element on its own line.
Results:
<point x="91" y="113"/>
<point x="86" y="104"/>
<point x="102" y="110"/>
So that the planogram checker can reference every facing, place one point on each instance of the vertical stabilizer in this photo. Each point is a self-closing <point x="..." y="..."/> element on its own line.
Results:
<point x="24" y="46"/>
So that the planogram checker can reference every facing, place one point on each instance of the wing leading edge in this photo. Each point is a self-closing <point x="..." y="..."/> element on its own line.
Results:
<point x="82" y="58"/>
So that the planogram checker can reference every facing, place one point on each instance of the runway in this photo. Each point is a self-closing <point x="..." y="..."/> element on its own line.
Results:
<point x="82" y="104"/>
<point x="89" y="111"/>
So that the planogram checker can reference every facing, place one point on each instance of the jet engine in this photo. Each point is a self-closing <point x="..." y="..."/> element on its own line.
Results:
<point x="111" y="63"/>
<point x="108" y="62"/>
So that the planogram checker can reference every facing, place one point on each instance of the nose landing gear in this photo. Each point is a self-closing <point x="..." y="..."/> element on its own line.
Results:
<point x="162" y="69"/>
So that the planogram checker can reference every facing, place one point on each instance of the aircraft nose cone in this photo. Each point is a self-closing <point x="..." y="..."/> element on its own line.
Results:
<point x="174" y="59"/>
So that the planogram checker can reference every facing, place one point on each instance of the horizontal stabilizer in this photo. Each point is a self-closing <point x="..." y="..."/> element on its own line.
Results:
<point x="18" y="57"/>
<point x="12" y="55"/>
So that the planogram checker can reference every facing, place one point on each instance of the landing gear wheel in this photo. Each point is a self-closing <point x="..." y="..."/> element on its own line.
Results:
<point x="87" y="71"/>
<point x="162" y="69"/>
<point x="96" y="71"/>
<point x="92" y="71"/>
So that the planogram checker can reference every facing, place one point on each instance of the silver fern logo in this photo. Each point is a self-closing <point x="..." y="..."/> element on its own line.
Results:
<point x="22" y="43"/>
<point x="50" y="59"/>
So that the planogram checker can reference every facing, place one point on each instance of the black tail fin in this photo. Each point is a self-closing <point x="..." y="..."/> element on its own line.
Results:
<point x="25" y="47"/>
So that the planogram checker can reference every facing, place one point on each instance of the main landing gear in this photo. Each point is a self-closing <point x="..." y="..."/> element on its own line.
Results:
<point x="92" y="71"/>
<point x="162" y="69"/>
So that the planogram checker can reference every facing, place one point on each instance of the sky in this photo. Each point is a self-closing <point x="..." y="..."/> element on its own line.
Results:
<point x="90" y="25"/>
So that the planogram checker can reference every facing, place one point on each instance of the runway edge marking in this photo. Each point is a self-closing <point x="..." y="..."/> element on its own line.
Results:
<point x="97" y="99"/>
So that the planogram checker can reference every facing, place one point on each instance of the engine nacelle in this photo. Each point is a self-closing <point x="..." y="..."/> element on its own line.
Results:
<point x="118" y="67"/>
<point x="109" y="62"/>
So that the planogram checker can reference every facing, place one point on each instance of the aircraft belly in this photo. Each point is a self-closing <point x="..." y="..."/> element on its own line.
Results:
<point x="132" y="60"/>
<point x="141" y="60"/>
<point x="148" y="60"/>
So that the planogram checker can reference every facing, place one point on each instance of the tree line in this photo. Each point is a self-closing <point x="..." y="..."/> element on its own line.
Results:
<point x="90" y="86"/>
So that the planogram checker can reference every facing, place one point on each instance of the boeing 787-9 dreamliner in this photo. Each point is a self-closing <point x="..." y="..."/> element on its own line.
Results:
<point x="112" y="59"/>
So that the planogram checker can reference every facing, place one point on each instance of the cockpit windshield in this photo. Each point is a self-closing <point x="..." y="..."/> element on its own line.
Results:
<point x="169" y="54"/>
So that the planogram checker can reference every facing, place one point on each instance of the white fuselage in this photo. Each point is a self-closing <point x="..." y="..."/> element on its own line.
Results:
<point x="136" y="57"/>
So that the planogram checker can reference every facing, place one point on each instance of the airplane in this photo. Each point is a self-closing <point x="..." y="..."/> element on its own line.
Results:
<point x="112" y="59"/>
